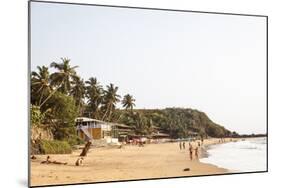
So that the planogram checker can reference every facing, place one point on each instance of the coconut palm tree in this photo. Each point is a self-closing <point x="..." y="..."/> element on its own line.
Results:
<point x="139" y="123"/>
<point x="94" y="93"/>
<point x="110" y="99"/>
<point x="61" y="80"/>
<point x="65" y="75"/>
<point x="149" y="127"/>
<point x="40" y="85"/>
<point x="78" y="92"/>
<point x="128" y="102"/>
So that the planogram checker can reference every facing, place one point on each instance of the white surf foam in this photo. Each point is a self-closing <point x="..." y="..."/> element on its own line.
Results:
<point x="242" y="156"/>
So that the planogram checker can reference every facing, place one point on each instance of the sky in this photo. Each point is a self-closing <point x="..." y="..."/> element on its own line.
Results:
<point x="211" y="62"/>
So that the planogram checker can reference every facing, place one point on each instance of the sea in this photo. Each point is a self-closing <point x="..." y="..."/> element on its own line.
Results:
<point x="248" y="155"/>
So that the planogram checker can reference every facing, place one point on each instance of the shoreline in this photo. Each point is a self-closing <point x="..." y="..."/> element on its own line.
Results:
<point x="163" y="160"/>
<point x="239" y="153"/>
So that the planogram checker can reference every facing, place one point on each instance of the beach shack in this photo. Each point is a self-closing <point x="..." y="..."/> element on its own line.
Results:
<point x="91" y="129"/>
<point x="158" y="137"/>
<point x="122" y="132"/>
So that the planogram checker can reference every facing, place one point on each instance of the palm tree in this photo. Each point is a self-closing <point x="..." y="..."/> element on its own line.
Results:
<point x="128" y="102"/>
<point x="78" y="92"/>
<point x="139" y="123"/>
<point x="149" y="127"/>
<point x="94" y="94"/>
<point x="62" y="79"/>
<point x="111" y="98"/>
<point x="40" y="85"/>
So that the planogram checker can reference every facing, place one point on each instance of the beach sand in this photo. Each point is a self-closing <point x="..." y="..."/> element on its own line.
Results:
<point x="129" y="163"/>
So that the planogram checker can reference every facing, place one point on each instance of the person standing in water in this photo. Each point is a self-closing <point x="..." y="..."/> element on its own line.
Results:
<point x="183" y="145"/>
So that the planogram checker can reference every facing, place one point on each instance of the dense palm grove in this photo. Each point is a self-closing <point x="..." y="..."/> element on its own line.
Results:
<point x="59" y="97"/>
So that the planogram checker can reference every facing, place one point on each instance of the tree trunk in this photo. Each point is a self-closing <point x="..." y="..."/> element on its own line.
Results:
<point x="51" y="94"/>
<point x="104" y="115"/>
<point x="86" y="149"/>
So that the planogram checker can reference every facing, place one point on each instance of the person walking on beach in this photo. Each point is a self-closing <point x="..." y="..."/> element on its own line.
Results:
<point x="180" y="145"/>
<point x="190" y="151"/>
<point x="196" y="153"/>
<point x="183" y="145"/>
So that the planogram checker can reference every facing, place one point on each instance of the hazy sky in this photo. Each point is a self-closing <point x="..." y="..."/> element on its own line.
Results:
<point x="210" y="62"/>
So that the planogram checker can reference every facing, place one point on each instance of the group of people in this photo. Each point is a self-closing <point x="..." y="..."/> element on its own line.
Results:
<point x="192" y="150"/>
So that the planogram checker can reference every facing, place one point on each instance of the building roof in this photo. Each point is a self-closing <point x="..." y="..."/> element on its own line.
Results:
<point x="160" y="135"/>
<point x="86" y="119"/>
<point x="79" y="119"/>
<point x="122" y="126"/>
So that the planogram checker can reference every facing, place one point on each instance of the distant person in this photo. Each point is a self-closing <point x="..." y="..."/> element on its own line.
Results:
<point x="196" y="153"/>
<point x="190" y="151"/>
<point x="199" y="144"/>
<point x="183" y="145"/>
<point x="141" y="144"/>
<point x="180" y="145"/>
<point x="47" y="160"/>
<point x="79" y="161"/>
<point x="121" y="145"/>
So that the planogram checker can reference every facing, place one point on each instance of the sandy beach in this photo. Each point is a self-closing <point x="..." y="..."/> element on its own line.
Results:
<point x="130" y="162"/>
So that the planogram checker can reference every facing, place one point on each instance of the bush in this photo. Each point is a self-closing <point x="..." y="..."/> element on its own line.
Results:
<point x="74" y="140"/>
<point x="36" y="115"/>
<point x="54" y="147"/>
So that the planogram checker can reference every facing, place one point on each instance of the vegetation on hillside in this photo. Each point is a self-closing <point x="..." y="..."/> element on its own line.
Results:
<point x="177" y="122"/>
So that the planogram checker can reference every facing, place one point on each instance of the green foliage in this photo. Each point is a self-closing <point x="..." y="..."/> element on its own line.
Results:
<point x="128" y="102"/>
<point x="110" y="99"/>
<point x="177" y="122"/>
<point x="94" y="93"/>
<point x="215" y="131"/>
<point x="65" y="75"/>
<point x="73" y="140"/>
<point x="62" y="115"/>
<point x="136" y="120"/>
<point x="54" y="147"/>
<point x="36" y="115"/>
<point x="40" y="85"/>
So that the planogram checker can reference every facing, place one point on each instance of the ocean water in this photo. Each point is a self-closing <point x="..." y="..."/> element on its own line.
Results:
<point x="242" y="156"/>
